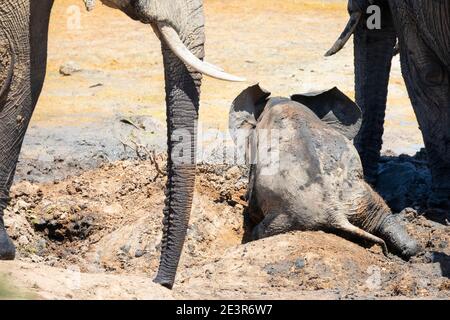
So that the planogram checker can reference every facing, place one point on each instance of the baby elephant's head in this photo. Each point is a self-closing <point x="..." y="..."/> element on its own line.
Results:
<point x="332" y="106"/>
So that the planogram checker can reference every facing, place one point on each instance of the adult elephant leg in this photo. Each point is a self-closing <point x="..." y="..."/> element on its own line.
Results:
<point x="182" y="98"/>
<point x="23" y="49"/>
<point x="373" y="55"/>
<point x="426" y="75"/>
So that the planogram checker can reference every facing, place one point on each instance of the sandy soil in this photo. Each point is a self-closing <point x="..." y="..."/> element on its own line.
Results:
<point x="93" y="222"/>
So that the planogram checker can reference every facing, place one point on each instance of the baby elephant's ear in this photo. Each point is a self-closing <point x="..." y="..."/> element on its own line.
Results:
<point x="334" y="108"/>
<point x="245" y="111"/>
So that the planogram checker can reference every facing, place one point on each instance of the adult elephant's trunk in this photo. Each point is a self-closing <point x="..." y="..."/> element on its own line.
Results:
<point x="182" y="98"/>
<point x="180" y="27"/>
<point x="373" y="56"/>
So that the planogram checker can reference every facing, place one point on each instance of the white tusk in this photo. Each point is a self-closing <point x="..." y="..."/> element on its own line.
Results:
<point x="355" y="18"/>
<point x="396" y="49"/>
<point x="213" y="66"/>
<point x="184" y="54"/>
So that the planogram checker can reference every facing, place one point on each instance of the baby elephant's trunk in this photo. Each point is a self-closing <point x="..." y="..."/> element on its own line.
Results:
<point x="379" y="220"/>
<point x="397" y="239"/>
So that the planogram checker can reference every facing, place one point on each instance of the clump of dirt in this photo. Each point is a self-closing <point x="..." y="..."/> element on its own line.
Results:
<point x="110" y="219"/>
<point x="107" y="222"/>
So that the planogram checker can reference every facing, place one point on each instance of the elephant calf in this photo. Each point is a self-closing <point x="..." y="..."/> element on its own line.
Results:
<point x="315" y="180"/>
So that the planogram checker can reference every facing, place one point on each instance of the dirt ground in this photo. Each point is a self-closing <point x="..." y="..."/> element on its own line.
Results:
<point x="86" y="215"/>
<point x="97" y="235"/>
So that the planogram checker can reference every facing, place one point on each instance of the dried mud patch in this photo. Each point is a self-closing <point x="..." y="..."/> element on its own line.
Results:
<point x="110" y="219"/>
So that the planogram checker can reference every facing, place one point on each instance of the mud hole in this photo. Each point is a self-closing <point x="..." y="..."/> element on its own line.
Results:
<point x="107" y="223"/>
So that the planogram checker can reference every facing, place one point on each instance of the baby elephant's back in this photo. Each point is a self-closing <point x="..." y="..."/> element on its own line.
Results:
<point x="313" y="160"/>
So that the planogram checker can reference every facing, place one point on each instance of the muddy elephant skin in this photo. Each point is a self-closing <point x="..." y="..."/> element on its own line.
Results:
<point x="316" y="180"/>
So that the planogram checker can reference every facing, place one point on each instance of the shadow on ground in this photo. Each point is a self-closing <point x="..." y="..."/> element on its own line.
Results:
<point x="405" y="182"/>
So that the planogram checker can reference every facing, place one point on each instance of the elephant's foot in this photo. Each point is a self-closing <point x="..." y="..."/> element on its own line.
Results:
<point x="397" y="239"/>
<point x="7" y="249"/>
<point x="439" y="206"/>
<point x="369" y="149"/>
<point x="439" y="199"/>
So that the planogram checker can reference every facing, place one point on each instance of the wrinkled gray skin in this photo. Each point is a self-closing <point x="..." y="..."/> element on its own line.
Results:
<point x="23" y="55"/>
<point x="318" y="183"/>
<point x="423" y="31"/>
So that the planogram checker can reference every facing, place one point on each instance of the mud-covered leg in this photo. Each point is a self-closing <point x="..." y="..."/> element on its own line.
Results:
<point x="425" y="67"/>
<point x="272" y="225"/>
<point x="23" y="51"/>
<point x="347" y="227"/>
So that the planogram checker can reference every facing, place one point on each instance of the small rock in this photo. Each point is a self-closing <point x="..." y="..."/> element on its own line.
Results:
<point x="233" y="173"/>
<point x="39" y="224"/>
<point x="69" y="68"/>
<point x="428" y="257"/>
<point x="139" y="253"/>
<point x="208" y="273"/>
<point x="41" y="247"/>
<point x="409" y="214"/>
<point x="443" y="244"/>
<point x="71" y="190"/>
<point x="125" y="248"/>
<point x="23" y="240"/>
<point x="24" y="189"/>
<point x="299" y="264"/>
<point x="278" y="268"/>
<point x="21" y="205"/>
